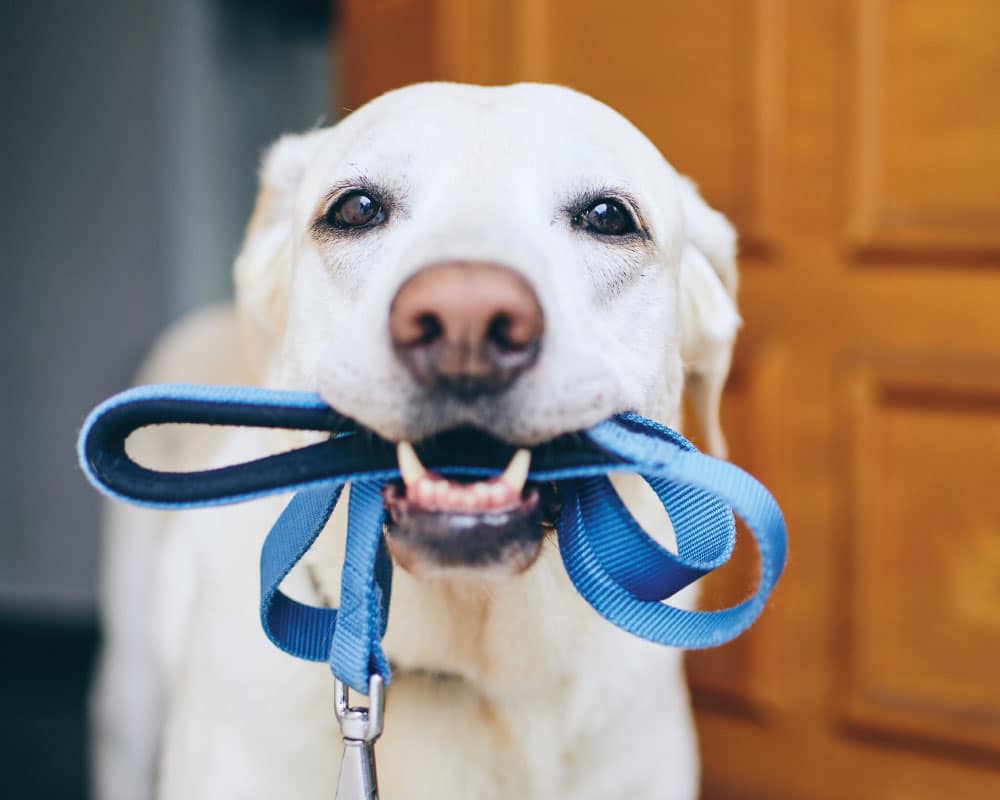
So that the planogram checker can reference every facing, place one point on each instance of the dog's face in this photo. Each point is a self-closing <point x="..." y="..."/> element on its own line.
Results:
<point x="511" y="260"/>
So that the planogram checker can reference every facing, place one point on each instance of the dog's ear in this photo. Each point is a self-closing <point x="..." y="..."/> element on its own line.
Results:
<point x="263" y="266"/>
<point x="707" y="306"/>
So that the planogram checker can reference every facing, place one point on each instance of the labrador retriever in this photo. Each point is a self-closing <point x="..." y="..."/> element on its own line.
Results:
<point x="520" y="260"/>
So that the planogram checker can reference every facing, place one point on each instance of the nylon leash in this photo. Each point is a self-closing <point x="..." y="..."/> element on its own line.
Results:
<point x="614" y="565"/>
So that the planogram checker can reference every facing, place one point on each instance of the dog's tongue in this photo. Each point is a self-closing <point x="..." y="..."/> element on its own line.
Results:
<point x="434" y="492"/>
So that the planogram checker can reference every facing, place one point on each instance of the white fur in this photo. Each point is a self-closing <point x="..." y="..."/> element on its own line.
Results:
<point x="545" y="699"/>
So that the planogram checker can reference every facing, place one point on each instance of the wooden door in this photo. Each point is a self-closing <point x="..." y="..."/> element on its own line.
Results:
<point x="856" y="145"/>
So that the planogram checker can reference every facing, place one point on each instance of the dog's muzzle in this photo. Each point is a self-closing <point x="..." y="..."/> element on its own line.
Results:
<point x="490" y="526"/>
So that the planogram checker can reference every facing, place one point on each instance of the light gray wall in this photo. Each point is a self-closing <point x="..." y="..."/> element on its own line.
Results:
<point x="130" y="138"/>
<point x="232" y="85"/>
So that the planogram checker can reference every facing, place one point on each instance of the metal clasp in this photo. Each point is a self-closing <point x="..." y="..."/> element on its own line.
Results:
<point x="360" y="727"/>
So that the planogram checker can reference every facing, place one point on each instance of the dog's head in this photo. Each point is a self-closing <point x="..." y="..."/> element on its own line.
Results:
<point x="519" y="261"/>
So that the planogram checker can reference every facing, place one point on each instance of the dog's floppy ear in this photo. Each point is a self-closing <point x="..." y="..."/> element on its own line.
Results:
<point x="263" y="266"/>
<point x="708" y="315"/>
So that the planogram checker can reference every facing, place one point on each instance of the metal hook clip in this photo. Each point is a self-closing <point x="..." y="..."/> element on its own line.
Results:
<point x="360" y="727"/>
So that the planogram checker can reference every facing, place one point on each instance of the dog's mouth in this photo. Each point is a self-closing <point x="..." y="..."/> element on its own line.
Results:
<point x="480" y="525"/>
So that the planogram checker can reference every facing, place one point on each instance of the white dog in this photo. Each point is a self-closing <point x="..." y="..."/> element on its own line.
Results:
<point x="519" y="260"/>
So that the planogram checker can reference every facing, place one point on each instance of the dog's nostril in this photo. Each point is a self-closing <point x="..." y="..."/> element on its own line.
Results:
<point x="429" y="329"/>
<point x="499" y="333"/>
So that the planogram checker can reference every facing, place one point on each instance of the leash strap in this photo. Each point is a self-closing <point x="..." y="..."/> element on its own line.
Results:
<point x="618" y="569"/>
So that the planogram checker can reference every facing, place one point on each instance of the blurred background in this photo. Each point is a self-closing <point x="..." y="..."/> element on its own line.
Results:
<point x="131" y="138"/>
<point x="855" y="145"/>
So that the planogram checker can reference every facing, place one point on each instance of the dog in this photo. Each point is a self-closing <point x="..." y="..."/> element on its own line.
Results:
<point x="519" y="260"/>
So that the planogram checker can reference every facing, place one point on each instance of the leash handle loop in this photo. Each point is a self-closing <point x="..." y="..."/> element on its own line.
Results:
<point x="614" y="564"/>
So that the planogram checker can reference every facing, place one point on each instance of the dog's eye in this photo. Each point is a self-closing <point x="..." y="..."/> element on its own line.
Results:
<point x="606" y="217"/>
<point x="355" y="210"/>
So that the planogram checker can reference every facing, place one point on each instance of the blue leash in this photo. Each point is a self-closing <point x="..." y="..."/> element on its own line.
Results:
<point x="620" y="571"/>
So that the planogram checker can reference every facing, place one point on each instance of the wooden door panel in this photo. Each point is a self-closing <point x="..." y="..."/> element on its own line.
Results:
<point x="923" y="645"/>
<point x="928" y="149"/>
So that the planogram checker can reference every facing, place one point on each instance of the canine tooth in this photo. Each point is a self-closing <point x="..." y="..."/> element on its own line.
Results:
<point x="517" y="470"/>
<point x="409" y="463"/>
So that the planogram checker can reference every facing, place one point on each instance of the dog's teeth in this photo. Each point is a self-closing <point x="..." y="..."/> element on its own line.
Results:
<point x="467" y="500"/>
<point x="423" y="490"/>
<point x="500" y="494"/>
<point x="442" y="492"/>
<point x="410" y="467"/>
<point x="516" y="473"/>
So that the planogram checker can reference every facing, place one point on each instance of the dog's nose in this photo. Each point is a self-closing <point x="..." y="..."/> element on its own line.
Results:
<point x="468" y="328"/>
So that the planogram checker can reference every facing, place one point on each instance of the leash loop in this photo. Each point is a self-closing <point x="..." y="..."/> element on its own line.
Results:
<point x="613" y="563"/>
